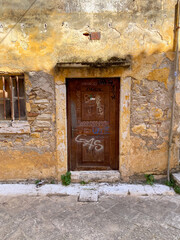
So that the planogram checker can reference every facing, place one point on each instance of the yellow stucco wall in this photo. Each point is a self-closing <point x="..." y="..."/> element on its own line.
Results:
<point x="35" y="40"/>
<point x="52" y="32"/>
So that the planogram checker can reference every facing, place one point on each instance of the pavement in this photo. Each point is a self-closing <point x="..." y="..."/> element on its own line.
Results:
<point x="113" y="217"/>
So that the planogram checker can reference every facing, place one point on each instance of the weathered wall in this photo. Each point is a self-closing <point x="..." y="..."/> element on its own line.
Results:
<point x="31" y="155"/>
<point x="145" y="100"/>
<point x="35" y="35"/>
<point x="151" y="98"/>
<point x="52" y="32"/>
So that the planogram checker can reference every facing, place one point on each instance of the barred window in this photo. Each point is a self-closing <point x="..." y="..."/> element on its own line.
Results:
<point x="12" y="97"/>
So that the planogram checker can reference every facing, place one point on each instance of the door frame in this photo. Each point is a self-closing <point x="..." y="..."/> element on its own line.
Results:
<point x="60" y="120"/>
<point x="117" y="123"/>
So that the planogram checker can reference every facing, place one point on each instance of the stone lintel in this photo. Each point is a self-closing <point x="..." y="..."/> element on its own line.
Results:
<point x="112" y="62"/>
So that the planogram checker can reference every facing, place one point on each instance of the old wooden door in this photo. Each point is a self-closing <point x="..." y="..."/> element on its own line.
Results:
<point x="93" y="123"/>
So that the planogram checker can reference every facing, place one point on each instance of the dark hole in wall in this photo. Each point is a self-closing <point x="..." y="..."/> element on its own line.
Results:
<point x="86" y="34"/>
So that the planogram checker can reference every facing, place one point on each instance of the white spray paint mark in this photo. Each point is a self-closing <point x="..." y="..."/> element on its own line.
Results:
<point x="91" y="143"/>
<point x="99" y="106"/>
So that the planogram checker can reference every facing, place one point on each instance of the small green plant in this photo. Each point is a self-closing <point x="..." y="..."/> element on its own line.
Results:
<point x="177" y="189"/>
<point x="66" y="178"/>
<point x="172" y="184"/>
<point x="37" y="182"/>
<point x="82" y="182"/>
<point x="149" y="179"/>
<point x="52" y="182"/>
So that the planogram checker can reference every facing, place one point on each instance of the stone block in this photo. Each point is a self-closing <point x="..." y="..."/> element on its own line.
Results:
<point x="45" y="117"/>
<point x="32" y="114"/>
<point x="37" y="129"/>
<point x="28" y="107"/>
<point x="4" y="124"/>
<point x="176" y="177"/>
<point x="139" y="129"/>
<point x="17" y="127"/>
<point x="42" y="124"/>
<point x="41" y="101"/>
<point x="88" y="196"/>
<point x="43" y="106"/>
<point x="156" y="113"/>
<point x="95" y="176"/>
<point x="35" y="135"/>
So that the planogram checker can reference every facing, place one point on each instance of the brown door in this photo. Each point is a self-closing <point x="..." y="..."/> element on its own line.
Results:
<point x="93" y="123"/>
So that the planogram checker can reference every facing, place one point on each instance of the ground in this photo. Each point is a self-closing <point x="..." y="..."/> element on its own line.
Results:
<point x="112" y="217"/>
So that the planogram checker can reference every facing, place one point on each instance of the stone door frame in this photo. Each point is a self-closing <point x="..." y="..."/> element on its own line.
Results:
<point x="61" y="115"/>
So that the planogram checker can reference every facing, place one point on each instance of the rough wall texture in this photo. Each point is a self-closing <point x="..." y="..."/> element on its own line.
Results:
<point x="31" y="155"/>
<point x="52" y="32"/>
<point x="35" y="35"/>
<point x="151" y="99"/>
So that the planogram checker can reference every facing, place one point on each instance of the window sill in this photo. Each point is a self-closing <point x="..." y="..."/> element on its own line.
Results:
<point x="14" y="127"/>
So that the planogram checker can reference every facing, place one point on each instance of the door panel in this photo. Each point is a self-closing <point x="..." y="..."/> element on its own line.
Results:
<point x="93" y="123"/>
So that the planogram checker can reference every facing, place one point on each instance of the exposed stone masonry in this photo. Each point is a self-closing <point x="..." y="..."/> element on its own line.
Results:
<point x="41" y="114"/>
<point x="150" y="110"/>
<point x="39" y="143"/>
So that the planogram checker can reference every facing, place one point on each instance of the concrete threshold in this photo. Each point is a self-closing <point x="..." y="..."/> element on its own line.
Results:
<point x="111" y="176"/>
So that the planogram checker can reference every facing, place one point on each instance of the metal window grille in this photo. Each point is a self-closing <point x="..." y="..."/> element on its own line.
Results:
<point x="12" y="97"/>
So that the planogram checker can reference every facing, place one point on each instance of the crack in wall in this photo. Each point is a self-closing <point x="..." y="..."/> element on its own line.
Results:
<point x="152" y="31"/>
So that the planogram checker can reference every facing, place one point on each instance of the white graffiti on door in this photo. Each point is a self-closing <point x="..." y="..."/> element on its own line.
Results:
<point x="99" y="106"/>
<point x="91" y="143"/>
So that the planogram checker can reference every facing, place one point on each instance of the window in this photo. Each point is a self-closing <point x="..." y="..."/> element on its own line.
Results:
<point x="12" y="97"/>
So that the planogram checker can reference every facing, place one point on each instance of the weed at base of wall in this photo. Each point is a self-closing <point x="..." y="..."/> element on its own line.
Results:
<point x="66" y="179"/>
<point x="173" y="184"/>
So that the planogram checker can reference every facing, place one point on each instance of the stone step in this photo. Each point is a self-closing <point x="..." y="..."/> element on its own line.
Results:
<point x="95" y="176"/>
<point x="176" y="177"/>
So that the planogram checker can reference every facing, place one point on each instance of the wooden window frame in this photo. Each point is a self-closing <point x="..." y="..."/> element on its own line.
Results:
<point x="12" y="98"/>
